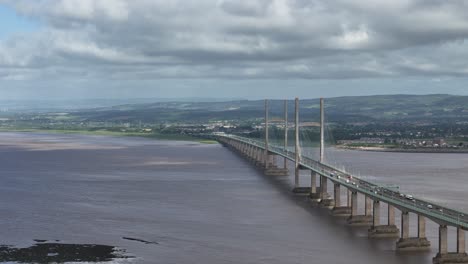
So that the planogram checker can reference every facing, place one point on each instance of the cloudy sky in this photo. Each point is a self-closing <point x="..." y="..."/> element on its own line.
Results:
<point x="231" y="48"/>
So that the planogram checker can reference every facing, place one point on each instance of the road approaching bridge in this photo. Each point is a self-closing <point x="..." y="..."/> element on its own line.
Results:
<point x="265" y="156"/>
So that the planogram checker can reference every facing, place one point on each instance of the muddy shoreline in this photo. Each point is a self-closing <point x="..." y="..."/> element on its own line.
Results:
<point x="402" y="150"/>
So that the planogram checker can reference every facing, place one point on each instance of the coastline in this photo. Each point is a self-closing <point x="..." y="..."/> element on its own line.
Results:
<point x="116" y="134"/>
<point x="403" y="150"/>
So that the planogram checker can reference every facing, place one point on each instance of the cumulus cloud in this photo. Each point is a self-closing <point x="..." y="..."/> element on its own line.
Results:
<point x="244" y="39"/>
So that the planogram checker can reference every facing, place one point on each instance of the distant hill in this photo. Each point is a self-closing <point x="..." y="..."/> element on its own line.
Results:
<point x="381" y="108"/>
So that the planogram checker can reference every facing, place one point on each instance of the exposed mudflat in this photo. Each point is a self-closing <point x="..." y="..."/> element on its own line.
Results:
<point x="60" y="253"/>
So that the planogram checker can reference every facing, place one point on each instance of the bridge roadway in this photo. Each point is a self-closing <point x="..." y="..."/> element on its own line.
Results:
<point x="439" y="214"/>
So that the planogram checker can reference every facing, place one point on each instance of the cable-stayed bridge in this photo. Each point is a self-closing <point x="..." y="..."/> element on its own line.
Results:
<point x="266" y="155"/>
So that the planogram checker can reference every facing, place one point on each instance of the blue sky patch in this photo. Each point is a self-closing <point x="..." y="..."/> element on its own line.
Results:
<point x="11" y="23"/>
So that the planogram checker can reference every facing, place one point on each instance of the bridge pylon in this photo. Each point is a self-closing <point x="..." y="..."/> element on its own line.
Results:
<point x="297" y="155"/>
<point x="270" y="159"/>
<point x="325" y="198"/>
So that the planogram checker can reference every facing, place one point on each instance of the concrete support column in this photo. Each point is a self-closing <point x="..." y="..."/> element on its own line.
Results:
<point x="381" y="231"/>
<point x="461" y="249"/>
<point x="260" y="155"/>
<point x="313" y="182"/>
<point x="391" y="215"/>
<point x="273" y="169"/>
<point x="368" y="209"/>
<point x="274" y="161"/>
<point x="354" y="204"/>
<point x="349" y="198"/>
<point x="376" y="218"/>
<point x="296" y="176"/>
<point x="443" y="248"/>
<point x="421" y="226"/>
<point x="355" y="219"/>
<point x="444" y="257"/>
<point x="323" y="187"/>
<point x="337" y="195"/>
<point x="404" y="225"/>
<point x="415" y="243"/>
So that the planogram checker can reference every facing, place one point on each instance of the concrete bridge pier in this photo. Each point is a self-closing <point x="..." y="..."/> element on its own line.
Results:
<point x="250" y="153"/>
<point x="359" y="220"/>
<point x="382" y="231"/>
<point x="273" y="161"/>
<point x="247" y="151"/>
<point x="337" y="193"/>
<point x="232" y="145"/>
<point x="272" y="168"/>
<point x="461" y="247"/>
<point x="266" y="158"/>
<point x="338" y="210"/>
<point x="350" y="195"/>
<point x="259" y="158"/>
<point x="243" y="148"/>
<point x="368" y="208"/>
<point x="446" y="257"/>
<point x="270" y="160"/>
<point x="391" y="214"/>
<point x="253" y="153"/>
<point x="407" y="243"/>
<point x="240" y="148"/>
<point x="325" y="198"/>
<point x="298" y="189"/>
<point x="314" y="189"/>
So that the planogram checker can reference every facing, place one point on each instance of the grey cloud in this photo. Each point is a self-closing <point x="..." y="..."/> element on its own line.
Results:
<point x="343" y="39"/>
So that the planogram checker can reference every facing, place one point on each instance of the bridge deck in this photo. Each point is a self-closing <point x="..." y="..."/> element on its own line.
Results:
<point x="438" y="213"/>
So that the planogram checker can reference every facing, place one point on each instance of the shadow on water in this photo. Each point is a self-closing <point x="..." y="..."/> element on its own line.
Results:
<point x="357" y="236"/>
<point x="60" y="253"/>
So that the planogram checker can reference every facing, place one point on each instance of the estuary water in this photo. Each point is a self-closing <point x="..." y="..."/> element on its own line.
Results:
<point x="184" y="202"/>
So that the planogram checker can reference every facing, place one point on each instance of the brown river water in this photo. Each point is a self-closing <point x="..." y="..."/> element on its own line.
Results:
<point x="184" y="202"/>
